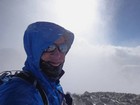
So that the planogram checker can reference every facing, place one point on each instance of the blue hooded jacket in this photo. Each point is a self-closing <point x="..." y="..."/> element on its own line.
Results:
<point x="38" y="36"/>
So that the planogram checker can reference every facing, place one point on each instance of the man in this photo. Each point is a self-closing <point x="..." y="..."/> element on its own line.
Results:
<point x="46" y="45"/>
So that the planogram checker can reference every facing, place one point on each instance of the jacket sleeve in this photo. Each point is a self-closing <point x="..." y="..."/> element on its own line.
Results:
<point x="19" y="92"/>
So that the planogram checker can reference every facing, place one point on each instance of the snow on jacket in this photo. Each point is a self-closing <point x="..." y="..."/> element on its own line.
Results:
<point x="37" y="37"/>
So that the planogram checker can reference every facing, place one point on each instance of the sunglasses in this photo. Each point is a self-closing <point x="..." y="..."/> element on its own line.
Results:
<point x="63" y="48"/>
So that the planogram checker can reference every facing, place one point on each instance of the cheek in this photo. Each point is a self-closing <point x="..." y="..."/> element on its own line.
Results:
<point x="63" y="57"/>
<point x="45" y="56"/>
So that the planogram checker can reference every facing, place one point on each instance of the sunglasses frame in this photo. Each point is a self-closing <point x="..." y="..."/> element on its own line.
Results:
<point x="63" y="48"/>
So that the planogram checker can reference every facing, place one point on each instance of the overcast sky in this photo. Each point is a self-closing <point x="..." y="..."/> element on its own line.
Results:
<point x="105" y="55"/>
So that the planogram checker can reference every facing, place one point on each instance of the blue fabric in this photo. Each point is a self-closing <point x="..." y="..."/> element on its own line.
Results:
<point x="37" y="37"/>
<point x="19" y="92"/>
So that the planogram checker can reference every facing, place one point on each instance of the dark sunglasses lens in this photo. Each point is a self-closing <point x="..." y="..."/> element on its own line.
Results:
<point x="51" y="48"/>
<point x="63" y="48"/>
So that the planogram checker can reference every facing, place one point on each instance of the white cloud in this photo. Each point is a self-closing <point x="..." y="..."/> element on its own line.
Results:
<point x="11" y="59"/>
<point x="102" y="68"/>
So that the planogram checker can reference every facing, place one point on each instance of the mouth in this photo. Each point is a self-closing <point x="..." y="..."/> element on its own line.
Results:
<point x="55" y="63"/>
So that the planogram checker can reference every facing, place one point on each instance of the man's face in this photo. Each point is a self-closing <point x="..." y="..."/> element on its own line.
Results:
<point x="55" y="57"/>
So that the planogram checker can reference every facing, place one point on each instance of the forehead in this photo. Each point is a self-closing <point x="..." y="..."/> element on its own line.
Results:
<point x="60" y="40"/>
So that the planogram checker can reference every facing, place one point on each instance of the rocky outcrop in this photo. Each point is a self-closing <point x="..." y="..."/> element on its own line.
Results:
<point x="106" y="98"/>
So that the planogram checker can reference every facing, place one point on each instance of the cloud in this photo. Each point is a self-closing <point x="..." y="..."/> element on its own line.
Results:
<point x="11" y="59"/>
<point x="102" y="68"/>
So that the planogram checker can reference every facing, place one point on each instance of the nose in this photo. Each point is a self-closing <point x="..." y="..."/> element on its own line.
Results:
<point x="56" y="53"/>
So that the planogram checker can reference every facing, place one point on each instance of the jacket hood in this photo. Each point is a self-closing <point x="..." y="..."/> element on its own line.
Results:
<point x="37" y="37"/>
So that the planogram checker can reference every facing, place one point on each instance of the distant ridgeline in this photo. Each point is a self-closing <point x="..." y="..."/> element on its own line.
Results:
<point x="106" y="98"/>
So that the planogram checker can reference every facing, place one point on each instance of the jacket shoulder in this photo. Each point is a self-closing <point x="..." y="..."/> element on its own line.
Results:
<point x="19" y="92"/>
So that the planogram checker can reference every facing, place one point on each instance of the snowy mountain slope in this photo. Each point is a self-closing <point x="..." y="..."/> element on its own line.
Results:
<point x="106" y="98"/>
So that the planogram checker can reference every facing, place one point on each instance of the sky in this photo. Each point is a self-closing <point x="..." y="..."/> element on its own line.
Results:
<point x="105" y="55"/>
